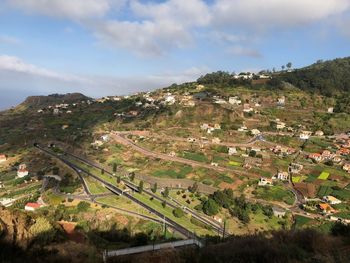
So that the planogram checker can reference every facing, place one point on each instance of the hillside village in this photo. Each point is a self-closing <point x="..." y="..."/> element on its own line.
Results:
<point x="250" y="158"/>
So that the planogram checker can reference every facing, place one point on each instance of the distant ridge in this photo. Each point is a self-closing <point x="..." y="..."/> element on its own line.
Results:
<point x="43" y="101"/>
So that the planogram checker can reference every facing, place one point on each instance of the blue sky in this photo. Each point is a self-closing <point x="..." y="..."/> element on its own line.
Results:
<point x="112" y="47"/>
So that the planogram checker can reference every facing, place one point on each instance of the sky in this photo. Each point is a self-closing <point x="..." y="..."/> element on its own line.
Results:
<point x="117" y="47"/>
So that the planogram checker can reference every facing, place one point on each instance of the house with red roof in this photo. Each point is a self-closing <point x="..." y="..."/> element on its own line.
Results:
<point x="316" y="156"/>
<point x="32" y="206"/>
<point x="3" y="158"/>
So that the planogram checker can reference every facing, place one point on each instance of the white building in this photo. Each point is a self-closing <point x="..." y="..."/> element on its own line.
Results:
<point x="283" y="176"/>
<point x="232" y="150"/>
<point x="331" y="200"/>
<point x="255" y="131"/>
<point x="265" y="182"/>
<point x="234" y="101"/>
<point x="22" y="171"/>
<point x="3" y="158"/>
<point x="305" y="135"/>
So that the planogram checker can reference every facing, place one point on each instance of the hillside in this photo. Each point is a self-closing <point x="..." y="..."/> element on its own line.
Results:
<point x="43" y="101"/>
<point x="328" y="77"/>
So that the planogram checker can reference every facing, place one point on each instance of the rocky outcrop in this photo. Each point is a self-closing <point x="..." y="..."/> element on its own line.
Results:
<point x="15" y="228"/>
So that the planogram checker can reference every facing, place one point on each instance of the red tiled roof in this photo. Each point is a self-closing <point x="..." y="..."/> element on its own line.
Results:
<point x="33" y="205"/>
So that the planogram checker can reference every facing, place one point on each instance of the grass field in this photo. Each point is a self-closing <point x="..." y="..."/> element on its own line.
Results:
<point x="301" y="221"/>
<point x="95" y="187"/>
<point x="324" y="176"/>
<point x="199" y="157"/>
<point x="233" y="163"/>
<point x="296" y="179"/>
<point x="169" y="173"/>
<point x="275" y="193"/>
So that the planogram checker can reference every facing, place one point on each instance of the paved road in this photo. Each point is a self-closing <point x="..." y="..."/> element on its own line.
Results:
<point x="171" y="223"/>
<point x="204" y="219"/>
<point x="122" y="140"/>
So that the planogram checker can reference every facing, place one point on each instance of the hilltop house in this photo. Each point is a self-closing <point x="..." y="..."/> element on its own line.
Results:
<point x="331" y="200"/>
<point x="247" y="108"/>
<point x="234" y="101"/>
<point x="32" y="206"/>
<point x="296" y="168"/>
<point x="305" y="135"/>
<point x="232" y="150"/>
<point x="319" y="133"/>
<point x="3" y="158"/>
<point x="281" y="101"/>
<point x="22" y="171"/>
<point x="346" y="167"/>
<point x="316" y="157"/>
<point x="255" y="132"/>
<point x="265" y="182"/>
<point x="326" y="209"/>
<point x="283" y="176"/>
<point x="278" y="212"/>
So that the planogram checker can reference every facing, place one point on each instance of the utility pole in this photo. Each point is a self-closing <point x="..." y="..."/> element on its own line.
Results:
<point x="224" y="230"/>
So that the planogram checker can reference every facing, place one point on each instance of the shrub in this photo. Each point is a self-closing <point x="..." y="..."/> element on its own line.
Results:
<point x="177" y="212"/>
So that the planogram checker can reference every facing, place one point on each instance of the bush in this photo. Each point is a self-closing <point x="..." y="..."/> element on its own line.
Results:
<point x="210" y="207"/>
<point x="177" y="212"/>
<point x="83" y="206"/>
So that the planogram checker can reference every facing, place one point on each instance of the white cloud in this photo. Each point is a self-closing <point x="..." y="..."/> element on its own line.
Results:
<point x="14" y="64"/>
<point x="275" y="13"/>
<point x="184" y="12"/>
<point x="72" y="9"/>
<point x="243" y="51"/>
<point x="8" y="40"/>
<point x="145" y="38"/>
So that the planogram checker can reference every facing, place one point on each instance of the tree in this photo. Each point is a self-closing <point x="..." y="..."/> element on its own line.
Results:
<point x="166" y="192"/>
<point x="83" y="206"/>
<point x="210" y="207"/>
<point x="178" y="212"/>
<point x="118" y="179"/>
<point x="193" y="188"/>
<point x="154" y="188"/>
<point x="42" y="230"/>
<point x="132" y="176"/>
<point x="289" y="65"/>
<point x="283" y="67"/>
<point x="141" y="187"/>
<point x="114" y="167"/>
<point x="163" y="204"/>
<point x="102" y="171"/>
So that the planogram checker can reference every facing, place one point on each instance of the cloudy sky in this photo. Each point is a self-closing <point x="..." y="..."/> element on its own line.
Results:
<point x="110" y="47"/>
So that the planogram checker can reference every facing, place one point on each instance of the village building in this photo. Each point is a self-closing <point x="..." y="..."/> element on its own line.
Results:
<point x="346" y="167"/>
<point x="216" y="140"/>
<point x="265" y="182"/>
<point x="32" y="206"/>
<point x="214" y="164"/>
<point x="56" y="111"/>
<point x="105" y="137"/>
<point x="278" y="212"/>
<point x="234" y="101"/>
<point x="316" y="157"/>
<point x="3" y="158"/>
<point x="22" y="171"/>
<point x="331" y="200"/>
<point x="305" y="135"/>
<point x="220" y="101"/>
<point x="243" y="129"/>
<point x="330" y="110"/>
<point x="337" y="159"/>
<point x="296" y="168"/>
<point x="232" y="150"/>
<point x="40" y="111"/>
<point x="319" y="133"/>
<point x="326" y="154"/>
<point x="281" y="101"/>
<point x="247" y="108"/>
<point x="190" y="139"/>
<point x="326" y="209"/>
<point x="169" y="99"/>
<point x="2" y="185"/>
<point x="283" y="176"/>
<point x="255" y="132"/>
<point x="6" y="202"/>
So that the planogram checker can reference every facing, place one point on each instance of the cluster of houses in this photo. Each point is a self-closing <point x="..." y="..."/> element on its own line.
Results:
<point x="210" y="128"/>
<point x="102" y="140"/>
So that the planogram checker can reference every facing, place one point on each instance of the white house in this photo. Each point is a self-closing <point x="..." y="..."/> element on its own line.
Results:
<point x="264" y="182"/>
<point x="214" y="164"/>
<point x="216" y="140"/>
<point x="22" y="171"/>
<point x="305" y="135"/>
<point x="243" y="129"/>
<point x="330" y="110"/>
<point x="247" y="108"/>
<point x="281" y="101"/>
<point x="283" y="176"/>
<point x="170" y="100"/>
<point x="278" y="212"/>
<point x="234" y="101"/>
<point x="319" y="133"/>
<point x="3" y="158"/>
<point x="232" y="150"/>
<point x="255" y="132"/>
<point x="331" y="200"/>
